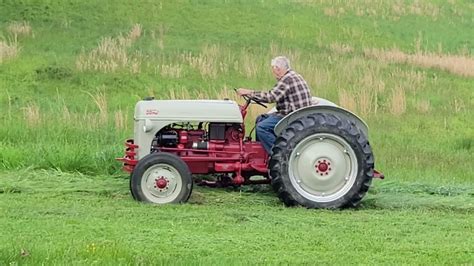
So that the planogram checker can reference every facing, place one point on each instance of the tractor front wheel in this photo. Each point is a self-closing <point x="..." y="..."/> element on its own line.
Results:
<point x="161" y="178"/>
<point x="321" y="161"/>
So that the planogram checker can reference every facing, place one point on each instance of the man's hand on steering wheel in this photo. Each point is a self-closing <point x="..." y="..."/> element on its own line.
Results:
<point x="247" y="95"/>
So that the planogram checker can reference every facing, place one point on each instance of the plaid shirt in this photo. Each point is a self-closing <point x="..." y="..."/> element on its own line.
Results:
<point x="290" y="93"/>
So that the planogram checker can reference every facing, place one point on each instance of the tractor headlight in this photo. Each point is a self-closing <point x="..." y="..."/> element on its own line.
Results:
<point x="147" y="126"/>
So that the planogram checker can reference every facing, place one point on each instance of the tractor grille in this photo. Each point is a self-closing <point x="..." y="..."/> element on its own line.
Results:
<point x="129" y="160"/>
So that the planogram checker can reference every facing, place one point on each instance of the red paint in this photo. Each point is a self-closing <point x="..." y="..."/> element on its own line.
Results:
<point x="151" y="112"/>
<point x="183" y="137"/>
<point x="378" y="174"/>
<point x="129" y="160"/>
<point x="323" y="167"/>
<point x="161" y="182"/>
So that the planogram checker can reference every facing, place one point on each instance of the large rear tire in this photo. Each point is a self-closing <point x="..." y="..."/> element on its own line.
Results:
<point x="321" y="161"/>
<point x="161" y="178"/>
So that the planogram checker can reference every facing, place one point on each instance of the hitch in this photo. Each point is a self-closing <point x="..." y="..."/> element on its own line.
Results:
<point x="378" y="174"/>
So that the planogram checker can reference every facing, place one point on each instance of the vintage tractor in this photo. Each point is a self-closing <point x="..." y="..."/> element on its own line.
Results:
<point x="321" y="157"/>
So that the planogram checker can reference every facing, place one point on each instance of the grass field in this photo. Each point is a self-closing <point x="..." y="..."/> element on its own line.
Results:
<point x="60" y="218"/>
<point x="71" y="72"/>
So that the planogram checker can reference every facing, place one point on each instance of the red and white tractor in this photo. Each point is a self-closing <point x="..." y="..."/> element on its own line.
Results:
<point x="321" y="158"/>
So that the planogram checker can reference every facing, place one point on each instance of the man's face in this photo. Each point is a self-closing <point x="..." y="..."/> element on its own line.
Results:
<point x="276" y="72"/>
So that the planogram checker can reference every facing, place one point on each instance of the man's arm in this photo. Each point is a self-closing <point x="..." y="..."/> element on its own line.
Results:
<point x="274" y="95"/>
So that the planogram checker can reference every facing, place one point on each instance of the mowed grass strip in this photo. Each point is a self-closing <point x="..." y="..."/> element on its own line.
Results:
<point x="53" y="217"/>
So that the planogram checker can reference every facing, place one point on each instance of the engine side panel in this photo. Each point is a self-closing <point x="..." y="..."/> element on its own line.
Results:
<point x="206" y="152"/>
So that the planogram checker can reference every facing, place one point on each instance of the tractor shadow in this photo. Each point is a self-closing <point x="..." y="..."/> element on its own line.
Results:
<point x="248" y="194"/>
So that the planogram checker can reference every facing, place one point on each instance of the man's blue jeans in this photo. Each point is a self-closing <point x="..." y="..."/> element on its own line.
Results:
<point x="264" y="130"/>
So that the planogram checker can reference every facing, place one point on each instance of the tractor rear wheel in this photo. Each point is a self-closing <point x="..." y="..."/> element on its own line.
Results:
<point x="161" y="178"/>
<point x="321" y="161"/>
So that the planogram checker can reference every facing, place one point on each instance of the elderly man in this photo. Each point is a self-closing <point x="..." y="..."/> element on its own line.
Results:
<point x="290" y="93"/>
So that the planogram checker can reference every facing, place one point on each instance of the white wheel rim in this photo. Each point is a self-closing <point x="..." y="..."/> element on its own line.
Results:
<point x="323" y="167"/>
<point x="161" y="183"/>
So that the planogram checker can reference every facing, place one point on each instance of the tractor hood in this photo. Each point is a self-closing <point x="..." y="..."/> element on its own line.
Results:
<point x="189" y="111"/>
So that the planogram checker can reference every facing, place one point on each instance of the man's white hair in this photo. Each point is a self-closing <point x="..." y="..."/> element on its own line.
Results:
<point x="281" y="62"/>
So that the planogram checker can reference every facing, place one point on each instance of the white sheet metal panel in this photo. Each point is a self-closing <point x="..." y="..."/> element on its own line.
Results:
<point x="189" y="111"/>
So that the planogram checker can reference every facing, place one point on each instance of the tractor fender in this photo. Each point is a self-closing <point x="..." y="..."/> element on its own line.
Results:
<point x="323" y="106"/>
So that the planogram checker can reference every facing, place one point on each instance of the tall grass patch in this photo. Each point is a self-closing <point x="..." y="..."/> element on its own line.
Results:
<point x="457" y="64"/>
<point x="10" y="46"/>
<point x="395" y="10"/>
<point x="112" y="54"/>
<point x="8" y="50"/>
<point x="19" y="29"/>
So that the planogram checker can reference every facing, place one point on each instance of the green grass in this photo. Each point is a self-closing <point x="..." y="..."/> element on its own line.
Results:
<point x="61" y="218"/>
<point x="64" y="199"/>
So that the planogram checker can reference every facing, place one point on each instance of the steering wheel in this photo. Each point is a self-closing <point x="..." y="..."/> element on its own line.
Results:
<point x="254" y="99"/>
<point x="250" y="99"/>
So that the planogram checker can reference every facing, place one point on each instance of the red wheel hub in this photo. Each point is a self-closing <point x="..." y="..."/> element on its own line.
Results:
<point x="323" y="167"/>
<point x="161" y="182"/>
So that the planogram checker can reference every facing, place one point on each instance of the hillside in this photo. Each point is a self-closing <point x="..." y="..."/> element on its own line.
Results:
<point x="72" y="71"/>
<point x="78" y="69"/>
